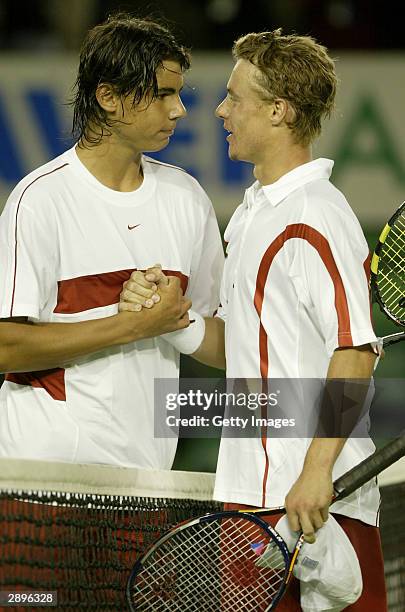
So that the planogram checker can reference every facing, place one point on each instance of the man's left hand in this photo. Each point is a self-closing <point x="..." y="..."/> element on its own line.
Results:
<point x="308" y="501"/>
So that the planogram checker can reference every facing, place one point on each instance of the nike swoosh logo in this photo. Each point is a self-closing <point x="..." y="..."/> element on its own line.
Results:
<point x="131" y="227"/>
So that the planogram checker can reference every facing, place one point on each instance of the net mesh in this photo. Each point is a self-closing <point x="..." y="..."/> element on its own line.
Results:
<point x="61" y="531"/>
<point x="78" y="530"/>
<point x="392" y="525"/>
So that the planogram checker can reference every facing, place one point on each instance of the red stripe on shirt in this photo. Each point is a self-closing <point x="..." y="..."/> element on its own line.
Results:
<point x="320" y="243"/>
<point x="52" y="381"/>
<point x="98" y="290"/>
<point x="263" y="437"/>
<point x="15" y="231"/>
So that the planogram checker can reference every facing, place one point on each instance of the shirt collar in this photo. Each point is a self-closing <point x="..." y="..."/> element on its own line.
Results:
<point x="298" y="177"/>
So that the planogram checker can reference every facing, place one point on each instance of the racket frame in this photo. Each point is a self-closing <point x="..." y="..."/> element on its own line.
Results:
<point x="254" y="517"/>
<point x="375" y="260"/>
<point x="343" y="486"/>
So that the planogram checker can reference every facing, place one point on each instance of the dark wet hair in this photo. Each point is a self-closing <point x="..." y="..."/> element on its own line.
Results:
<point x="125" y="52"/>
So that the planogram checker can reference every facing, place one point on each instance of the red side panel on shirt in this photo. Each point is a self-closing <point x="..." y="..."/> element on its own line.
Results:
<point x="92" y="291"/>
<point x="97" y="290"/>
<point x="320" y="243"/>
<point x="52" y="381"/>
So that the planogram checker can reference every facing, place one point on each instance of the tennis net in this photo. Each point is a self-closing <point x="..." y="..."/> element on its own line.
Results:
<point x="77" y="530"/>
<point x="392" y="525"/>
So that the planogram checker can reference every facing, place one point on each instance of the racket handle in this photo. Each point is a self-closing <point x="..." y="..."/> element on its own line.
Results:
<point x="393" y="339"/>
<point x="370" y="467"/>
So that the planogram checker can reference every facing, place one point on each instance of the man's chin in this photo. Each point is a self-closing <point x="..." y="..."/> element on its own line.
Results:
<point x="157" y="147"/>
<point x="235" y="156"/>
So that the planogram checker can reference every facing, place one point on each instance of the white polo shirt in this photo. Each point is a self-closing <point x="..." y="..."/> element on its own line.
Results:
<point x="67" y="244"/>
<point x="294" y="289"/>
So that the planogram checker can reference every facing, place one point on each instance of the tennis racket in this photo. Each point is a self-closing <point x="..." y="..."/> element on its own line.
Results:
<point x="388" y="273"/>
<point x="231" y="561"/>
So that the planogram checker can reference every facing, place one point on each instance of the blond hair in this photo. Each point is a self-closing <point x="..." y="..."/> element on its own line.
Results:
<point x="297" y="69"/>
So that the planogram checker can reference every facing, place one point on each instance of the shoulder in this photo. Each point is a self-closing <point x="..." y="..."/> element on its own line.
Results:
<point x="326" y="218"/>
<point x="326" y="206"/>
<point x="42" y="181"/>
<point x="174" y="178"/>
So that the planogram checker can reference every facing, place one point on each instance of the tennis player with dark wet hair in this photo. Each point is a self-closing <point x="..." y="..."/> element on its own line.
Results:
<point x="79" y="386"/>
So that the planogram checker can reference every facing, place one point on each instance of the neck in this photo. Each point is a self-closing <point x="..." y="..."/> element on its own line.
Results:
<point x="112" y="164"/>
<point x="275" y="163"/>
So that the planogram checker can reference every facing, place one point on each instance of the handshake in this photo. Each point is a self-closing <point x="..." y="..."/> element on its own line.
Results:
<point x="144" y="289"/>
<point x="162" y="309"/>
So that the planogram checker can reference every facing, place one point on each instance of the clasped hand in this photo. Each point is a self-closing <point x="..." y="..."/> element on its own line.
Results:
<point x="145" y="290"/>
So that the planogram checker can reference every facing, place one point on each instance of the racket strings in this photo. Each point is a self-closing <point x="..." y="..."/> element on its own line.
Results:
<point x="231" y="565"/>
<point x="391" y="270"/>
<point x="393" y="252"/>
<point x="247" y="562"/>
<point x="394" y="247"/>
<point x="169" y="580"/>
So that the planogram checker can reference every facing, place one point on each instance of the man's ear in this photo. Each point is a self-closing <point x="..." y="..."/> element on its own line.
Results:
<point x="107" y="98"/>
<point x="281" y="111"/>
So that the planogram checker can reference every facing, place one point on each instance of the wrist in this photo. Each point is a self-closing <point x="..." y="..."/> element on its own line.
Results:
<point x="188" y="340"/>
<point x="323" y="466"/>
<point x="322" y="454"/>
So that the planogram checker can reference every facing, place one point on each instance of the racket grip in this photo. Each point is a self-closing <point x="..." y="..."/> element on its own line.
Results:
<point x="393" y="339"/>
<point x="370" y="467"/>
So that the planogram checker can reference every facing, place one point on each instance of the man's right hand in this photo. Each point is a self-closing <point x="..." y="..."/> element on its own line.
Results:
<point x="169" y="314"/>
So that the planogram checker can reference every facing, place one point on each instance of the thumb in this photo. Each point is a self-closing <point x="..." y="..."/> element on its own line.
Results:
<point x="156" y="275"/>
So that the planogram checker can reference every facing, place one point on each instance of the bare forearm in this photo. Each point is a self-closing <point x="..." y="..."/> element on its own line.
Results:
<point x="30" y="347"/>
<point x="352" y="363"/>
<point x="347" y="385"/>
<point x="322" y="454"/>
<point x="308" y="500"/>
<point x="212" y="350"/>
